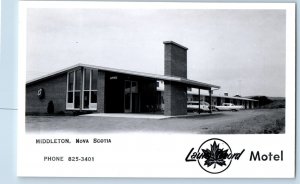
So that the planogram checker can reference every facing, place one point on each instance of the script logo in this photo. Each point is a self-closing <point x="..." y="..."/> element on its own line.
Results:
<point x="213" y="156"/>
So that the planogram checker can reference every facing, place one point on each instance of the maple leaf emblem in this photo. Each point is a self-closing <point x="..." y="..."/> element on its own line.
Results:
<point x="215" y="155"/>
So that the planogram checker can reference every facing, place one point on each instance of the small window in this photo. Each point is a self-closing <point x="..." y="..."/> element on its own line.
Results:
<point x="86" y="99"/>
<point x="94" y="79"/>
<point x="77" y="100"/>
<point x="70" y="97"/>
<point x="78" y="80"/>
<point x="93" y="96"/>
<point x="71" y="81"/>
<point x="87" y="79"/>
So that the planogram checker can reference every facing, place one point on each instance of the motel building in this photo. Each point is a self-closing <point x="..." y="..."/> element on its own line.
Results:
<point x="94" y="89"/>
<point x="193" y="96"/>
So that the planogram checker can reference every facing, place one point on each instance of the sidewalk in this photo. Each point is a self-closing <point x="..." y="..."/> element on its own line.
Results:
<point x="137" y="115"/>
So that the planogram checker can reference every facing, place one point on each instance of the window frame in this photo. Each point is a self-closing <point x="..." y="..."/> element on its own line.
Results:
<point x="71" y="106"/>
<point x="91" y="106"/>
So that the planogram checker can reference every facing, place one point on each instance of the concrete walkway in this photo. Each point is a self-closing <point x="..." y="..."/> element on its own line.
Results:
<point x="136" y="115"/>
<point x="128" y="115"/>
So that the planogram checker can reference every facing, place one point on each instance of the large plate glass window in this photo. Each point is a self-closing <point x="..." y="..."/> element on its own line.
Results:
<point x="73" y="89"/>
<point x="89" y="99"/>
<point x="131" y="96"/>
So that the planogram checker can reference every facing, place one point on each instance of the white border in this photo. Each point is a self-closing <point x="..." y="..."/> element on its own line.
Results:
<point x="179" y="143"/>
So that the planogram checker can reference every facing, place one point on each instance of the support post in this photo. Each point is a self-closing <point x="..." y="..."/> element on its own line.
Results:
<point x="81" y="90"/>
<point x="199" y="110"/>
<point x="210" y="99"/>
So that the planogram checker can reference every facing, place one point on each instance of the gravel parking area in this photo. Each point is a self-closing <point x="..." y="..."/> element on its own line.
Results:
<point x="259" y="121"/>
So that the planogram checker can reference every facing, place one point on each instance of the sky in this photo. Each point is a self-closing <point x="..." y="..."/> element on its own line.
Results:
<point x="243" y="51"/>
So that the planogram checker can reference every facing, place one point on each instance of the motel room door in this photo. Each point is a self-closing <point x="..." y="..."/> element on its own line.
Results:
<point x="131" y="96"/>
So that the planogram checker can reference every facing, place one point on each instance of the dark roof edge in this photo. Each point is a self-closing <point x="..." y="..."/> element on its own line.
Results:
<point x="128" y="72"/>
<point x="174" y="43"/>
<point x="49" y="75"/>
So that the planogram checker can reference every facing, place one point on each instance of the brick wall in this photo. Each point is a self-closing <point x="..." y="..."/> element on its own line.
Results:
<point x="175" y="99"/>
<point x="101" y="92"/>
<point x="55" y="90"/>
<point x="175" y="94"/>
<point x="175" y="60"/>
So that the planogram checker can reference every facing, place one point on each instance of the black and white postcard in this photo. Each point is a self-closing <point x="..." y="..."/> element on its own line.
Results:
<point x="157" y="89"/>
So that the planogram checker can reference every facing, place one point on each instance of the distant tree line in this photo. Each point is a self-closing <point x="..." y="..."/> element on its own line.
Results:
<point x="263" y="100"/>
<point x="266" y="102"/>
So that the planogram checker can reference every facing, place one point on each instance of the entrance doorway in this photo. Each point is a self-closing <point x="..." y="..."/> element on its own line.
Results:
<point x="131" y="96"/>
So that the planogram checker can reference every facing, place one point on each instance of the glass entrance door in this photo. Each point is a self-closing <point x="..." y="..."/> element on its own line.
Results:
<point x="131" y="97"/>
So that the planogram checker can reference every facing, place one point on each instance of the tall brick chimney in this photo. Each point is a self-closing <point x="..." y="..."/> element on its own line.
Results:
<point x="175" y="59"/>
<point x="175" y="94"/>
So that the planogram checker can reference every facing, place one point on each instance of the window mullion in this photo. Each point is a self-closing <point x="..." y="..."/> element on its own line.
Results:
<point x="83" y="84"/>
<point x="74" y="89"/>
<point x="67" y="99"/>
<point x="90" y="87"/>
<point x="68" y="83"/>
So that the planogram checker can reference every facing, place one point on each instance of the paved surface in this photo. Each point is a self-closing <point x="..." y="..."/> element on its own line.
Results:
<point x="246" y="121"/>
<point x="127" y="115"/>
<point x="140" y="115"/>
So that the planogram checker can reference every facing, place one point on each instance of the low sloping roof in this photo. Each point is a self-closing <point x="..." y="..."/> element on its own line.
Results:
<point x="222" y="96"/>
<point x="233" y="97"/>
<point x="128" y="72"/>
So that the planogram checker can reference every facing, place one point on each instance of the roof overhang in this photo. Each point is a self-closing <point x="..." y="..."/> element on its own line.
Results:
<point x="188" y="82"/>
<point x="222" y="96"/>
